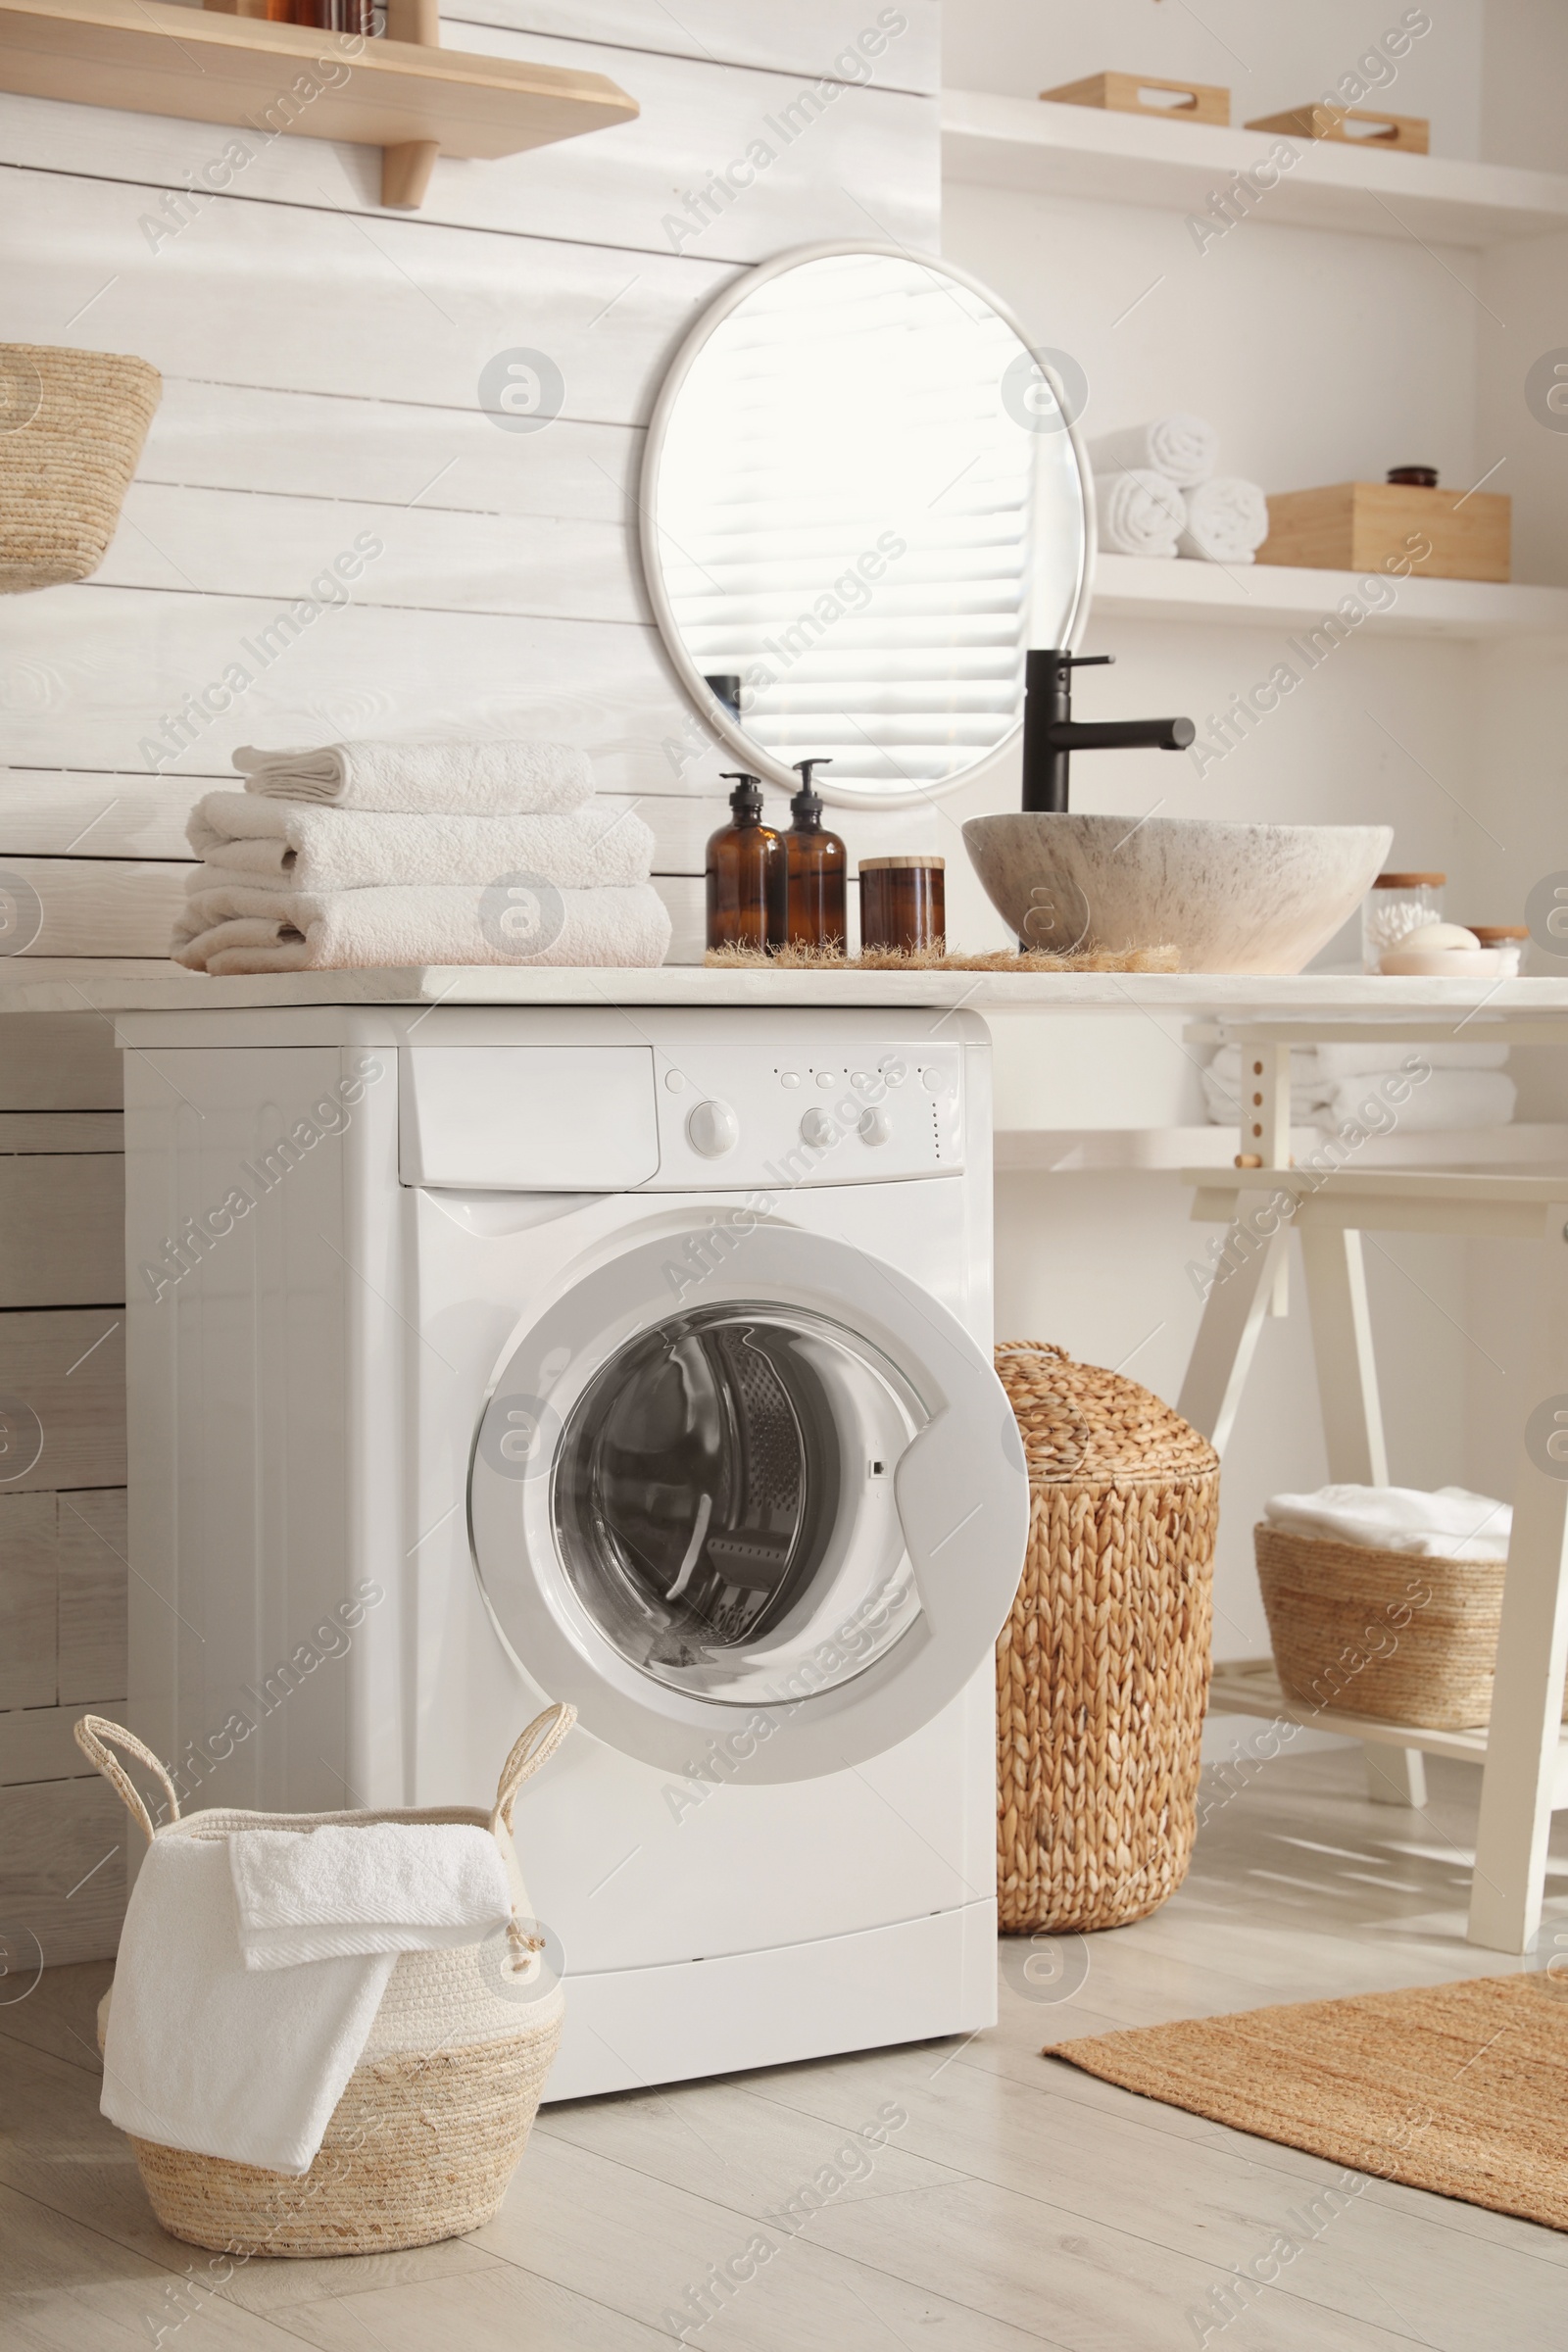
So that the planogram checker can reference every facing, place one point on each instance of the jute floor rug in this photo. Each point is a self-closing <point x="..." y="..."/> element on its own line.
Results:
<point x="1462" y="2088"/>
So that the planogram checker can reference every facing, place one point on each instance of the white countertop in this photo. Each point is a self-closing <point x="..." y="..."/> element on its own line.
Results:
<point x="81" y="984"/>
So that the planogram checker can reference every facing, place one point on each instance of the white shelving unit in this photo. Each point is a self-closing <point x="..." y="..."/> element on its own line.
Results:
<point x="1285" y="595"/>
<point x="1066" y="1152"/>
<point x="1130" y="159"/>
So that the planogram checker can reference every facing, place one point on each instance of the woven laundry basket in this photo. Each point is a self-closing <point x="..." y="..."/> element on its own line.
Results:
<point x="433" y="2119"/>
<point x="1388" y="1633"/>
<point x="71" y="428"/>
<point x="1103" y="1667"/>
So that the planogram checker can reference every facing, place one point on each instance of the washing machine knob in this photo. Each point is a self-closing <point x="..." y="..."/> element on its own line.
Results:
<point x="875" y="1127"/>
<point x="818" y="1130"/>
<point x="712" y="1129"/>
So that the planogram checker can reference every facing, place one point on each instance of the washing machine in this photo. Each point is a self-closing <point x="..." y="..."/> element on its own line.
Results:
<point x="485" y="1356"/>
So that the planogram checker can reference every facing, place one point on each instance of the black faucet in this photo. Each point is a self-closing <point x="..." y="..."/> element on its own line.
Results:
<point x="1050" y="732"/>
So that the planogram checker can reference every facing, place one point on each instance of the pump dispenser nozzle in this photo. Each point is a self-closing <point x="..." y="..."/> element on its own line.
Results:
<point x="806" y="806"/>
<point x="747" y="797"/>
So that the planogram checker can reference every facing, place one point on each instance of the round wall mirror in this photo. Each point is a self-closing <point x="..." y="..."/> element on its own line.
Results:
<point x="862" y="500"/>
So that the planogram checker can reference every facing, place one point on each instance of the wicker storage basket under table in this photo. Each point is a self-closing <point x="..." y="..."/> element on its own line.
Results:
<point x="1103" y="1667"/>
<point x="433" y="2119"/>
<point x="1385" y="1634"/>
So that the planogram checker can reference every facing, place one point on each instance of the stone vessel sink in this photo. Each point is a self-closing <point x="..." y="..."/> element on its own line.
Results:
<point x="1229" y="897"/>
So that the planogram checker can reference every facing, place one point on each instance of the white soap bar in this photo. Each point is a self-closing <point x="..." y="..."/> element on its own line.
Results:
<point x="1439" y="935"/>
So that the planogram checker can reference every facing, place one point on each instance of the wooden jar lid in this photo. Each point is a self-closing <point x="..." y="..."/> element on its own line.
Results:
<point x="1410" y="881"/>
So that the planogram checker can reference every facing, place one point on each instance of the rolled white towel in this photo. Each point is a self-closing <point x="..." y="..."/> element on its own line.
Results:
<point x="231" y="929"/>
<point x="490" y="776"/>
<point x="1448" y="1099"/>
<point x="1141" y="512"/>
<point x="1227" y="519"/>
<point x="1355" y="1062"/>
<point x="265" y="842"/>
<point x="1183" y="449"/>
<point x="1448" y="1524"/>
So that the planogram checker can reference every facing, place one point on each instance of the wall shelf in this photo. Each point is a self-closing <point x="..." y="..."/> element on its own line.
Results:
<point x="1066" y="1152"/>
<point x="1251" y="1687"/>
<point x="1288" y="596"/>
<point x="1127" y="159"/>
<point x="151" y="58"/>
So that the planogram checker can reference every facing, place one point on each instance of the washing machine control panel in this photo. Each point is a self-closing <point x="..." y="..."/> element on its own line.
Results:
<point x="732" y="1117"/>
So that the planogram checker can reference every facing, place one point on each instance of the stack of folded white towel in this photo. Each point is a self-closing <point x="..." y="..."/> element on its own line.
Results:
<point x="381" y="853"/>
<point x="1448" y="1524"/>
<point x="1378" y="1085"/>
<point x="252" y="1966"/>
<point x="1157" y="493"/>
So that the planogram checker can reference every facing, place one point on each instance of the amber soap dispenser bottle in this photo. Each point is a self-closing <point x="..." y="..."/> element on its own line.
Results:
<point x="815" y="872"/>
<point x="746" y="874"/>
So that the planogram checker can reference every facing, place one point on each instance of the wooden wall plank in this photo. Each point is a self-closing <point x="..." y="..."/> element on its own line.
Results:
<point x="838" y="153"/>
<point x="803" y="38"/>
<point x="62" y="1231"/>
<point x="37" y="1743"/>
<point x="59" y="1061"/>
<point x="29" y="1666"/>
<point x="406" y="308"/>
<point x="63" y="1846"/>
<point x="61" y="1131"/>
<point x="67" y="1365"/>
<point x="95" y="1571"/>
<point x="101" y="906"/>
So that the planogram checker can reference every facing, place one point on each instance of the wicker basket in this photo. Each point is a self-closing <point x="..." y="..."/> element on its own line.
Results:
<point x="1386" y="1633"/>
<point x="1103" y="1667"/>
<point x="71" y="428"/>
<point x="433" y="2120"/>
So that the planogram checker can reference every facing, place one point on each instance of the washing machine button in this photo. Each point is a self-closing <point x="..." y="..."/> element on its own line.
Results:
<point x="826" y="1078"/>
<point x="675" y="1081"/>
<point x="935" y="1082"/>
<point x="818" y="1130"/>
<point x="790" y="1078"/>
<point x="875" y="1127"/>
<point x="712" y="1129"/>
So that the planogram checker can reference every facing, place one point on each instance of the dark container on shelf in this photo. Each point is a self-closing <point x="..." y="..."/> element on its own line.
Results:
<point x="903" y="904"/>
<point x="816" y="872"/>
<point x="746" y="874"/>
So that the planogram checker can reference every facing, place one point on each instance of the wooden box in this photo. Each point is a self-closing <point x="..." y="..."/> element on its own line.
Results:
<point x="1408" y="135"/>
<point x="1131" y="94"/>
<point x="1366" y="526"/>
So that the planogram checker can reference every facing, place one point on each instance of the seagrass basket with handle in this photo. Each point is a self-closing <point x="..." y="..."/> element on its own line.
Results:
<point x="1103" y="1666"/>
<point x="433" y="2119"/>
<point x="71" y="428"/>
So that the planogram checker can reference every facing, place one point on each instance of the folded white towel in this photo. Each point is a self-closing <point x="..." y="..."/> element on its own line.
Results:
<point x="231" y="929"/>
<point x="1448" y="1099"/>
<point x="1355" y="1062"/>
<point x="1223" y="1101"/>
<point x="388" y="1886"/>
<point x="1450" y="1524"/>
<point x="265" y="842"/>
<point x="205" y="2054"/>
<point x="490" y="776"/>
<point x="1227" y="519"/>
<point x="1140" y="512"/>
<point x="1183" y="449"/>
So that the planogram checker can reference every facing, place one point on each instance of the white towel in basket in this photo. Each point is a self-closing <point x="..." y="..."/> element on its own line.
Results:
<point x="204" y="2054"/>
<point x="390" y="1886"/>
<point x="1448" y="1524"/>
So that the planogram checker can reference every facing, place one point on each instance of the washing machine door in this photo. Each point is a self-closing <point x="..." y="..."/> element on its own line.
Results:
<point x="765" y="1520"/>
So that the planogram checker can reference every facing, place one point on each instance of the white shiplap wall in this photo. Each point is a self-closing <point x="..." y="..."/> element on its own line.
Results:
<point x="321" y="361"/>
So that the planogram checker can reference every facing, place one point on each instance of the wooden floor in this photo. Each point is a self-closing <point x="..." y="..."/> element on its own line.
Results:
<point x="1018" y="2204"/>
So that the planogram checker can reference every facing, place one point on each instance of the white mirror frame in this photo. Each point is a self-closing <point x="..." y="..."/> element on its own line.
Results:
<point x="711" y="710"/>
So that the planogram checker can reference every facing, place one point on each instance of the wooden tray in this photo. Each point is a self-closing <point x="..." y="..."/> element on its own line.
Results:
<point x="1365" y="526"/>
<point x="1408" y="135"/>
<point x="1123" y="94"/>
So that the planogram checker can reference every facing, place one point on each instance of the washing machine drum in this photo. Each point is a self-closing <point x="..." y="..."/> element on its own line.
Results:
<point x="793" y="1508"/>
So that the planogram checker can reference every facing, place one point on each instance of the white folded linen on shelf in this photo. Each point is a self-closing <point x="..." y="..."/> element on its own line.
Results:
<point x="1447" y="1098"/>
<point x="1227" y="519"/>
<point x="1356" y="1061"/>
<point x="1449" y="1523"/>
<point x="234" y="929"/>
<point x="386" y="1887"/>
<point x="487" y="776"/>
<point x="1183" y="449"/>
<point x="1223" y="1099"/>
<point x="271" y="842"/>
<point x="1140" y="512"/>
<point x="205" y="2054"/>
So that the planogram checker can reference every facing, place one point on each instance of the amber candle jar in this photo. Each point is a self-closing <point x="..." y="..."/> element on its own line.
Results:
<point x="903" y="904"/>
